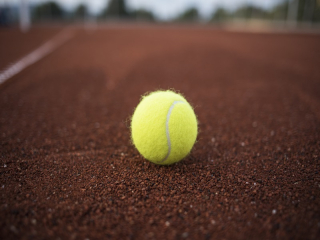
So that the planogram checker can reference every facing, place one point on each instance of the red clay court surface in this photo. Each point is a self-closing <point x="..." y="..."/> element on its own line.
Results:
<point x="69" y="171"/>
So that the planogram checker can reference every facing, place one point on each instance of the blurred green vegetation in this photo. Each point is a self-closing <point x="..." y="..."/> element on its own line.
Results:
<point x="81" y="12"/>
<point x="307" y="11"/>
<point x="220" y="15"/>
<point x="115" y="9"/>
<point x="250" y="11"/>
<point x="286" y="10"/>
<point x="190" y="15"/>
<point x="142" y="15"/>
<point x="280" y="11"/>
<point x="48" y="11"/>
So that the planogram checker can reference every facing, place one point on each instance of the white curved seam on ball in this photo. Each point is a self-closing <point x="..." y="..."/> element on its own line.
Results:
<point x="167" y="129"/>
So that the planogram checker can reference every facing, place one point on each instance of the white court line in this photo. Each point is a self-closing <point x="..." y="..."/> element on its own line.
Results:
<point x="36" y="55"/>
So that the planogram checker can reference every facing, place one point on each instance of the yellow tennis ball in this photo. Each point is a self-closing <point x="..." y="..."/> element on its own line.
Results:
<point x="164" y="127"/>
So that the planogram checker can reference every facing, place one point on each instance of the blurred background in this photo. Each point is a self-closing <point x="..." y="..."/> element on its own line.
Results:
<point x="275" y="13"/>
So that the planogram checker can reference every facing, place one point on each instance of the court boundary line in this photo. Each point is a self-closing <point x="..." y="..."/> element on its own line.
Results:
<point x="36" y="55"/>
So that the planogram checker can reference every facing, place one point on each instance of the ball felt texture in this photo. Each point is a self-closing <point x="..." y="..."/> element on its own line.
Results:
<point x="164" y="127"/>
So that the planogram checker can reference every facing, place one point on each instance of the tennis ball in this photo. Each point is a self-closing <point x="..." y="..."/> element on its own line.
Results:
<point x="164" y="127"/>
